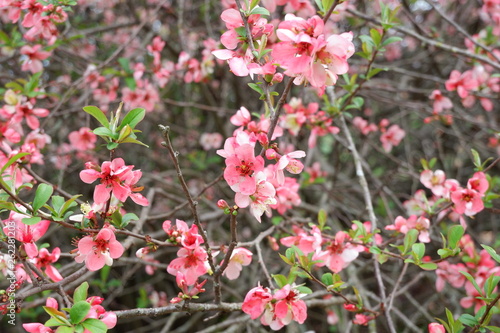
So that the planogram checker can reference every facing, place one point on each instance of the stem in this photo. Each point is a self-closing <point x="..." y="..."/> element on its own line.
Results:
<point x="227" y="257"/>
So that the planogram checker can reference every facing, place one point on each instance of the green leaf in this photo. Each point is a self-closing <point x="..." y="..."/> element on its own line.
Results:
<point x="57" y="315"/>
<point x="304" y="290"/>
<point x="419" y="249"/>
<point x="95" y="325"/>
<point x="327" y="279"/>
<point x="255" y="87"/>
<point x="321" y="219"/>
<point x="31" y="220"/>
<point x="131" y="83"/>
<point x="124" y="133"/>
<point x="428" y="266"/>
<point x="78" y="311"/>
<point x="280" y="279"/>
<point x="80" y="293"/>
<point x="391" y="40"/>
<point x="125" y="63"/>
<point x="104" y="132"/>
<point x="112" y="145"/>
<point x="494" y="329"/>
<point x="53" y="322"/>
<point x="133" y="117"/>
<point x="42" y="195"/>
<point x="376" y="37"/>
<point x="410" y="239"/>
<point x="68" y="204"/>
<point x="95" y="112"/>
<point x="374" y="71"/>
<point x="468" y="320"/>
<point x="455" y="233"/>
<point x="476" y="159"/>
<point x="473" y="281"/>
<point x="492" y="252"/>
<point x="65" y="329"/>
<point x="12" y="160"/>
<point x="260" y="11"/>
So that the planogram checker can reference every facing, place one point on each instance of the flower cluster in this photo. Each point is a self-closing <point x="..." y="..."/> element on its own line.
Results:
<point x="278" y="309"/>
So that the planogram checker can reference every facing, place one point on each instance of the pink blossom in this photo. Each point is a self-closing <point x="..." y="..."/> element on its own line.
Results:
<point x="467" y="201"/>
<point x="261" y="199"/>
<point x="462" y="83"/>
<point x="339" y="253"/>
<point x="363" y="126"/>
<point x="478" y="183"/>
<point x="83" y="139"/>
<point x="435" y="181"/>
<point x="241" y="118"/>
<point x="27" y="234"/>
<point x="191" y="263"/>
<point x="27" y="111"/>
<point x="240" y="257"/>
<point x="256" y="301"/>
<point x="440" y="102"/>
<point x="392" y="137"/>
<point x="240" y="169"/>
<point x="211" y="140"/>
<point x="45" y="259"/>
<point x="99" y="250"/>
<point x="419" y="223"/>
<point x="307" y="242"/>
<point x="288" y="307"/>
<point x="450" y="273"/>
<point x="188" y="237"/>
<point x="34" y="59"/>
<point x="112" y="176"/>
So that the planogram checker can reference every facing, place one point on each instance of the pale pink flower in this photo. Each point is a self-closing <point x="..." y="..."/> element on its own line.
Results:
<point x="211" y="140"/>
<point x="450" y="273"/>
<point x="240" y="257"/>
<point x="241" y="118"/>
<point x="99" y="250"/>
<point x="306" y="241"/>
<point x="287" y="307"/>
<point x="462" y="83"/>
<point x="434" y="180"/>
<point x="240" y="169"/>
<point x="478" y="182"/>
<point x="363" y="126"/>
<point x="419" y="223"/>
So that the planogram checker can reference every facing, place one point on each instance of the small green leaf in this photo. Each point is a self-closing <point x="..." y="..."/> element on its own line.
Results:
<point x="410" y="239"/>
<point x="476" y="159"/>
<point x="80" y="293"/>
<point x="321" y="219"/>
<point x="419" y="249"/>
<point x="95" y="112"/>
<point x="260" y="11"/>
<point x="13" y="160"/>
<point x="133" y="117"/>
<point x="304" y="290"/>
<point x="78" y="311"/>
<point x="95" y="325"/>
<point x="104" y="132"/>
<point x="327" y="279"/>
<point x="65" y="329"/>
<point x="494" y="329"/>
<point x="280" y="279"/>
<point x="428" y="266"/>
<point x="492" y="252"/>
<point x="391" y="40"/>
<point x="31" y="220"/>
<point x="455" y="233"/>
<point x="473" y="281"/>
<point x="376" y="37"/>
<point x="42" y="195"/>
<point x="468" y="320"/>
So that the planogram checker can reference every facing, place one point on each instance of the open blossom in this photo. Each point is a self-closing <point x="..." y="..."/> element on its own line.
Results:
<point x="435" y="181"/>
<point x="83" y="139"/>
<point x="339" y="253"/>
<point x="191" y="263"/>
<point x="440" y="102"/>
<point x="116" y="178"/>
<point x="256" y="301"/>
<point x="467" y="201"/>
<point x="188" y="237"/>
<point x="392" y="137"/>
<point x="259" y="201"/>
<point x="240" y="257"/>
<point x="35" y="55"/>
<point x="27" y="234"/>
<point x="99" y="250"/>
<point x="45" y="259"/>
<point x="306" y="241"/>
<point x="240" y="169"/>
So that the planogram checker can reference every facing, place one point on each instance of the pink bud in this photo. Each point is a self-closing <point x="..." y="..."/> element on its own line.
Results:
<point x="222" y="204"/>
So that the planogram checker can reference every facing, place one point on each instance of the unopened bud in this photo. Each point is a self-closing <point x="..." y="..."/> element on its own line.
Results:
<point x="222" y="204"/>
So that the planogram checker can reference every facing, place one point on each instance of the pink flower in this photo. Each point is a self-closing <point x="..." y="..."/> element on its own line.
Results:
<point x="307" y="242"/>
<point x="288" y="307"/>
<point x="240" y="257"/>
<point x="462" y="83"/>
<point x="436" y="328"/>
<point x="420" y="223"/>
<point x="241" y="118"/>
<point x="27" y="234"/>
<point x="191" y="263"/>
<point x="467" y="201"/>
<point x="261" y="199"/>
<point x="450" y="273"/>
<point x="112" y="176"/>
<point x="440" y="102"/>
<point x="339" y="253"/>
<point x="435" y="181"/>
<point x="363" y="126"/>
<point x="478" y="183"/>
<point x="45" y="260"/>
<point x="99" y="250"/>
<point x="256" y="301"/>
<point x="34" y="59"/>
<point x="83" y="139"/>
<point x="211" y="140"/>
<point x="240" y="169"/>
<point x="392" y="137"/>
